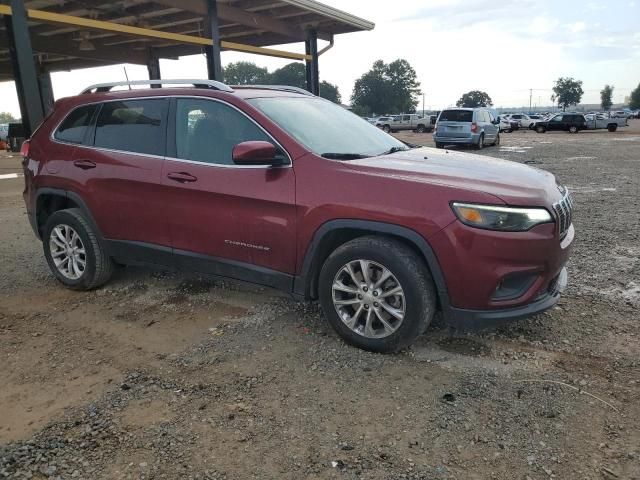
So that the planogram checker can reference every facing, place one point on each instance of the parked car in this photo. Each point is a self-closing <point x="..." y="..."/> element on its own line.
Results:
<point x="467" y="126"/>
<point x="124" y="177"/>
<point x="405" y="121"/>
<point x="568" y="122"/>
<point x="601" y="121"/>
<point x="524" y="120"/>
<point x="4" y="130"/>
<point x="15" y="137"/>
<point x="506" y="125"/>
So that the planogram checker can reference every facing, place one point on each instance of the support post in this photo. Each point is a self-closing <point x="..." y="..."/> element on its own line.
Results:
<point x="313" y="73"/>
<point x="214" y="64"/>
<point x="24" y="68"/>
<point x="46" y="91"/>
<point x="153" y="67"/>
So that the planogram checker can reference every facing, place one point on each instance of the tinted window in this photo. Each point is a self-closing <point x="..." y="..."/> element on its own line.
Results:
<point x="207" y="131"/>
<point x="136" y="126"/>
<point x="456" y="116"/>
<point x="74" y="127"/>
<point x="557" y="118"/>
<point x="406" y="118"/>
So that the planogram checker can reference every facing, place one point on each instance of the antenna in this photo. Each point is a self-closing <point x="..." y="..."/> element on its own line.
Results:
<point x="127" y="77"/>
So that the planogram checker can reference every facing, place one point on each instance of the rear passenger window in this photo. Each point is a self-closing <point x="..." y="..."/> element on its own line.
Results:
<point x="74" y="128"/>
<point x="136" y="126"/>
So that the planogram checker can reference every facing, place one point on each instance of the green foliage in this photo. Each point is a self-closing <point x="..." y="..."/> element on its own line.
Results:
<point x="245" y="73"/>
<point x="474" y="99"/>
<point x="6" y="117"/>
<point x="634" y="102"/>
<point x="330" y="91"/>
<point x="606" y="97"/>
<point x="292" y="74"/>
<point x="387" y="88"/>
<point x="567" y="91"/>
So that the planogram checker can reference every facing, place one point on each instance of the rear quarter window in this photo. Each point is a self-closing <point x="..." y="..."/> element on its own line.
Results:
<point x="74" y="128"/>
<point x="456" y="116"/>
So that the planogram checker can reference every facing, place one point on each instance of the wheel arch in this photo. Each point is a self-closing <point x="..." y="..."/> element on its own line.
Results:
<point x="50" y="200"/>
<point x="334" y="233"/>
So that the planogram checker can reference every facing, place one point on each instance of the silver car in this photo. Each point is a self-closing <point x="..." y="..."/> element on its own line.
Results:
<point x="467" y="126"/>
<point x="4" y="130"/>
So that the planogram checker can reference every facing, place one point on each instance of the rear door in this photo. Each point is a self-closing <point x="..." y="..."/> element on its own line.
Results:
<point x="225" y="219"/>
<point x="455" y="123"/>
<point x="119" y="176"/>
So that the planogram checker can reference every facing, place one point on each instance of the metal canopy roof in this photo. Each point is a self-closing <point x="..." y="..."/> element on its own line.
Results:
<point x="60" y="45"/>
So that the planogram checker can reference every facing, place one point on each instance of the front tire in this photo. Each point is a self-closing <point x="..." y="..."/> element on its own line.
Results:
<point x="439" y="145"/>
<point x="377" y="294"/>
<point x="540" y="129"/>
<point x="612" y="128"/>
<point x="573" y="129"/>
<point x="386" y="129"/>
<point x="74" y="252"/>
<point x="421" y="129"/>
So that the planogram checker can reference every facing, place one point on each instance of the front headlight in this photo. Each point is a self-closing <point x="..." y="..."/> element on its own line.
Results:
<point x="507" y="219"/>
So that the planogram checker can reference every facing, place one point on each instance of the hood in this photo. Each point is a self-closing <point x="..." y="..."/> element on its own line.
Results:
<point x="511" y="182"/>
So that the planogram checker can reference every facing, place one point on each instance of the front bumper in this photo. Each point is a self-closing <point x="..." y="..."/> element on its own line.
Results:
<point x="468" y="319"/>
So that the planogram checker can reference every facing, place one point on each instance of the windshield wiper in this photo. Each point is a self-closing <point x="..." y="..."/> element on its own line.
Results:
<point x="344" y="156"/>
<point x="393" y="150"/>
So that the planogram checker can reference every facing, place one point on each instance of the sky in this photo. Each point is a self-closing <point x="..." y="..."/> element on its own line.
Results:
<point x="503" y="48"/>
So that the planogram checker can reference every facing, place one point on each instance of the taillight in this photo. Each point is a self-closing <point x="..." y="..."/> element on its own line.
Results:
<point x="24" y="150"/>
<point x="474" y="127"/>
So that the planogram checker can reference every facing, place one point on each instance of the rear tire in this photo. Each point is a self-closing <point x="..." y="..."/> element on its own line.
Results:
<point x="386" y="129"/>
<point x="497" y="141"/>
<point x="480" y="144"/>
<point x="88" y="265"/>
<point x="408" y="273"/>
<point x="612" y="128"/>
<point x="439" y="145"/>
<point x="421" y="129"/>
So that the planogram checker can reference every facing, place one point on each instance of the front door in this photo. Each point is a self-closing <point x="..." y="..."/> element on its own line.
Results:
<point x="229" y="220"/>
<point x="556" y="123"/>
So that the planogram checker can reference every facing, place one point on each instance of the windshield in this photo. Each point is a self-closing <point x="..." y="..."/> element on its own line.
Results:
<point x="326" y="128"/>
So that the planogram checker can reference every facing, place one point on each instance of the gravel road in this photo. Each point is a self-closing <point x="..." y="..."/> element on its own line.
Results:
<point x="164" y="376"/>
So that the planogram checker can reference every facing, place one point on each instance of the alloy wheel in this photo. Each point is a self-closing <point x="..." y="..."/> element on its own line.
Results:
<point x="368" y="298"/>
<point x="68" y="252"/>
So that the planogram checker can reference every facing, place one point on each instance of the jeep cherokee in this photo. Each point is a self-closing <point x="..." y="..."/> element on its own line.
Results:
<point x="278" y="187"/>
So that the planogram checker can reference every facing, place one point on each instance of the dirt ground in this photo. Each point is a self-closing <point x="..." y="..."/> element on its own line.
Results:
<point x="164" y="376"/>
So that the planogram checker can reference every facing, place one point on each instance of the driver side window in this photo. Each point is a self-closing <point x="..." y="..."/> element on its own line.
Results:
<point x="207" y="131"/>
<point x="557" y="118"/>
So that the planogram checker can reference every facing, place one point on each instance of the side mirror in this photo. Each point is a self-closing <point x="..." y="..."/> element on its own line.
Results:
<point x="255" y="152"/>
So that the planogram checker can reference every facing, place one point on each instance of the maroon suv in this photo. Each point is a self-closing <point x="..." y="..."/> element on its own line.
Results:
<point x="281" y="188"/>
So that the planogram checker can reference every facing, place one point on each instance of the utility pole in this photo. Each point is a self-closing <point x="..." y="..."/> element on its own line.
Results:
<point x="422" y="103"/>
<point x="530" y="96"/>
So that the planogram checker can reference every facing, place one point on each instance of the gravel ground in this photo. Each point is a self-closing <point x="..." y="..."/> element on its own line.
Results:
<point x="165" y="376"/>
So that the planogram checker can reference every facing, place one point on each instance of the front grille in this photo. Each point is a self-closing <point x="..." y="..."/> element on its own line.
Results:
<point x="563" y="211"/>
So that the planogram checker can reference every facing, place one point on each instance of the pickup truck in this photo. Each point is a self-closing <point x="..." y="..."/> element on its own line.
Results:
<point x="409" y="121"/>
<point x="599" y="121"/>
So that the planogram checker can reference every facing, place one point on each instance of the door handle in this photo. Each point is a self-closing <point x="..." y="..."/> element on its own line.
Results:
<point x="84" y="164"/>
<point x="181" y="177"/>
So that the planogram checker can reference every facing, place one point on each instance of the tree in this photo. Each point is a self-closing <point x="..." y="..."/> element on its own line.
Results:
<point x="606" y="95"/>
<point x="387" y="88"/>
<point x="474" y="99"/>
<point x="293" y="74"/>
<point x="245" y="73"/>
<point x="567" y="91"/>
<point x="330" y="91"/>
<point x="6" y="117"/>
<point x="634" y="102"/>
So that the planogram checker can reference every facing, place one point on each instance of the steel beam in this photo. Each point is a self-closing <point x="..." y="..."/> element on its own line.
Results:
<point x="214" y="64"/>
<point x="24" y="69"/>
<point x="46" y="91"/>
<point x="311" y="49"/>
<point x="153" y="67"/>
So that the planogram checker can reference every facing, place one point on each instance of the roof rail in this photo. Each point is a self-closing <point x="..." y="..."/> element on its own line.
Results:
<point x="210" y="84"/>
<point x="282" y="88"/>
